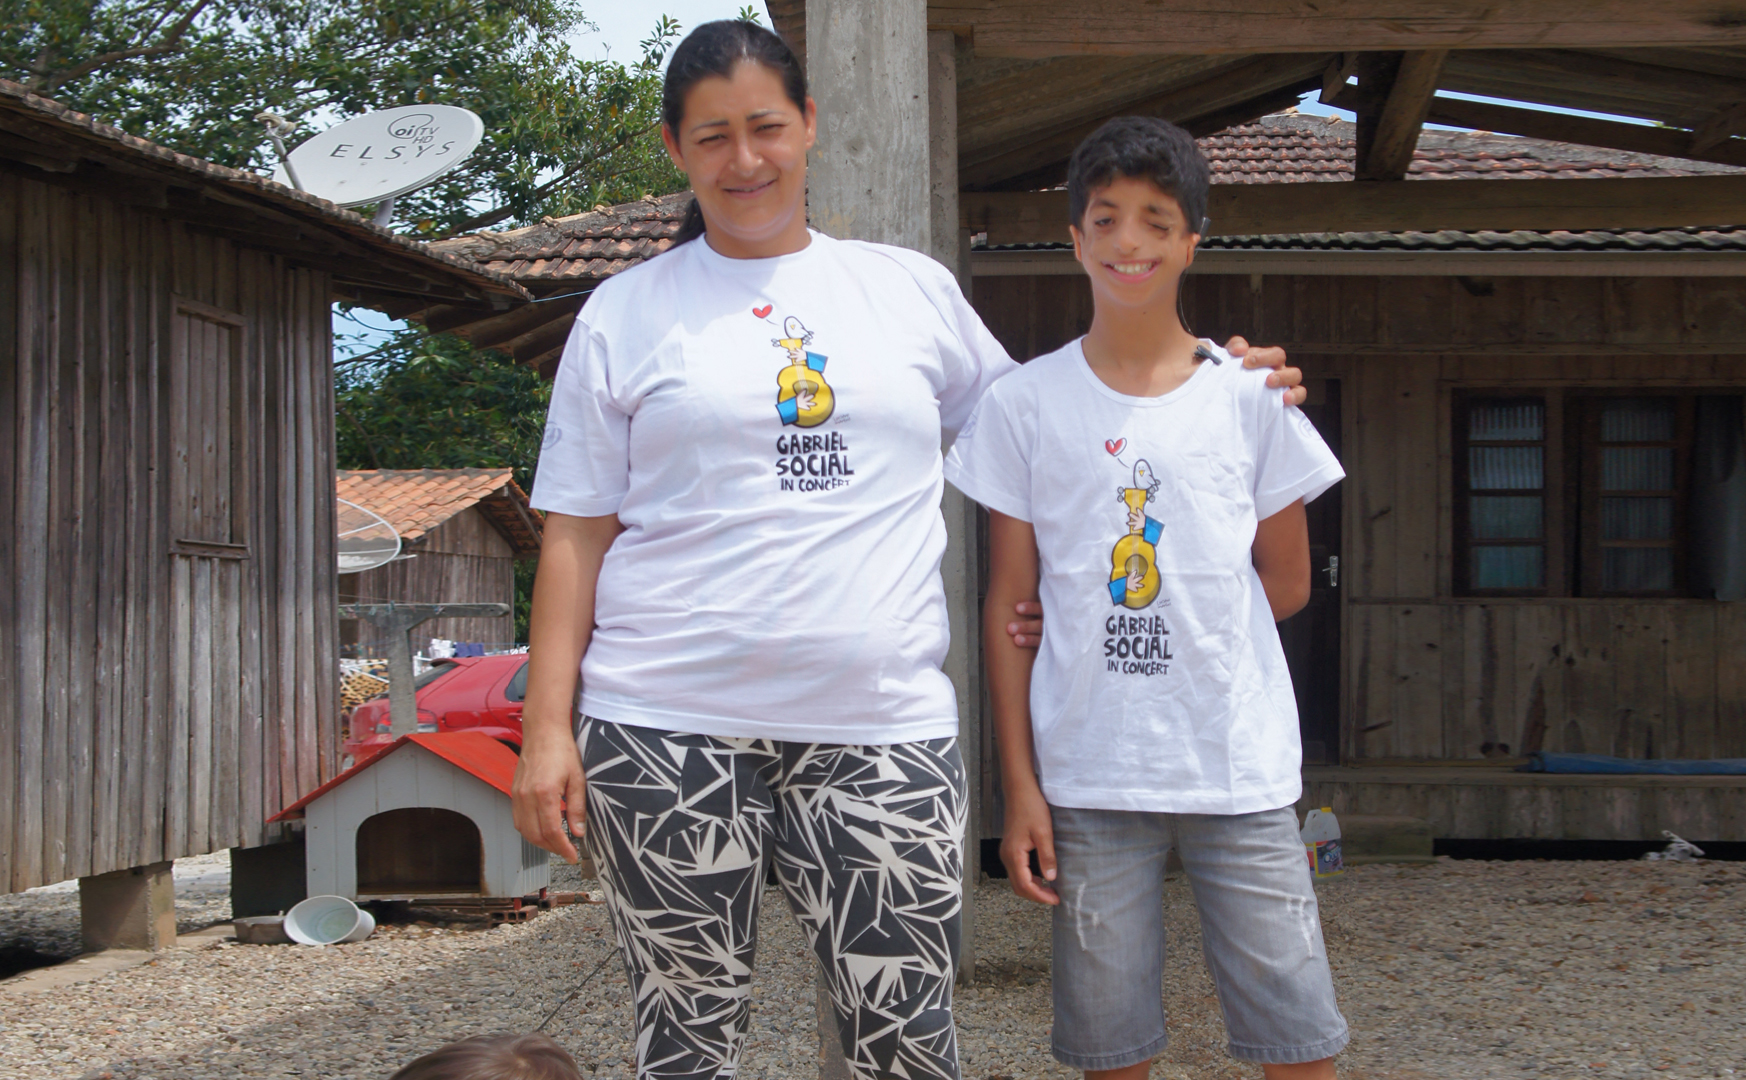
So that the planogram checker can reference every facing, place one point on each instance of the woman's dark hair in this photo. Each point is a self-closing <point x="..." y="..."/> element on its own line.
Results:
<point x="712" y="50"/>
<point x="494" y="1057"/>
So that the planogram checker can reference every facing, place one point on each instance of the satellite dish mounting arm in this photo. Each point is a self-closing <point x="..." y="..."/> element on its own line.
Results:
<point x="277" y="128"/>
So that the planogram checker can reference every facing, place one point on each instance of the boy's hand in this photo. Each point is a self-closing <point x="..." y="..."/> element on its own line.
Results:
<point x="1274" y="357"/>
<point x="1029" y="828"/>
<point x="1027" y="630"/>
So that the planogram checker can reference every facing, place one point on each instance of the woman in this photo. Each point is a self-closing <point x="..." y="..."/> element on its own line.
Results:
<point x="742" y="478"/>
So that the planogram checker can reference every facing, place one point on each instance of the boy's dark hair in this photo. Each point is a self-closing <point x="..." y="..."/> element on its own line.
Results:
<point x="1143" y="148"/>
<point x="712" y="50"/>
<point x="494" y="1057"/>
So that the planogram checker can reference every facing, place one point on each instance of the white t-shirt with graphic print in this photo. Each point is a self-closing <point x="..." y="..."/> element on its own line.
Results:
<point x="1161" y="684"/>
<point x="769" y="431"/>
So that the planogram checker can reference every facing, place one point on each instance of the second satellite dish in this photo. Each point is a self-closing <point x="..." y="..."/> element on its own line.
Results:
<point x="382" y="154"/>
<point x="366" y="540"/>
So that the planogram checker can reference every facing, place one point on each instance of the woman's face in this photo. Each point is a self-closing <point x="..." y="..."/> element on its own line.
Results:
<point x="743" y="144"/>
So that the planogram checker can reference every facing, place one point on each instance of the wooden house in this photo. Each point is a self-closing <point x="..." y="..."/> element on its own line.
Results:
<point x="461" y="533"/>
<point x="167" y="547"/>
<point x="1464" y="617"/>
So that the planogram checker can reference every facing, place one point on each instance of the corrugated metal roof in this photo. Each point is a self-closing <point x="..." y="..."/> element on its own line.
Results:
<point x="476" y="754"/>
<point x="1643" y="240"/>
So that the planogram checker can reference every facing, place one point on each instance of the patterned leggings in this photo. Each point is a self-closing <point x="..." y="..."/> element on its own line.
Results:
<point x="869" y="847"/>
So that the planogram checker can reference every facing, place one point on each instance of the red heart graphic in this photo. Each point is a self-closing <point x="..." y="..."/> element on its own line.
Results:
<point x="1115" y="446"/>
<point x="760" y="312"/>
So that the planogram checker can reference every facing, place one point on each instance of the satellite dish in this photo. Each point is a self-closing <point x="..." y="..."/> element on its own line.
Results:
<point x="366" y="540"/>
<point x="377" y="156"/>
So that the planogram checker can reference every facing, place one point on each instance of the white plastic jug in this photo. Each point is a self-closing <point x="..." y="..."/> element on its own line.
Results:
<point x="1321" y="842"/>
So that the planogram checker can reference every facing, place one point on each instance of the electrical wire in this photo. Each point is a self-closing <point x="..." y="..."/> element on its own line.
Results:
<point x="611" y="952"/>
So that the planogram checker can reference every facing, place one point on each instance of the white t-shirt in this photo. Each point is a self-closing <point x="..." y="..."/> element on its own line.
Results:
<point x="1160" y="684"/>
<point x="768" y="431"/>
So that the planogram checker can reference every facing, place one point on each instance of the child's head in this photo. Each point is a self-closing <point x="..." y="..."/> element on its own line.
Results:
<point x="1137" y="190"/>
<point x="494" y="1057"/>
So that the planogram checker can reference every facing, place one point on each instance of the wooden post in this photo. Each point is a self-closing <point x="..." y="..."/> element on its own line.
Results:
<point x="868" y="178"/>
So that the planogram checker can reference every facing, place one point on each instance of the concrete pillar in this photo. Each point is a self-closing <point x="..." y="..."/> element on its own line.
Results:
<point x="868" y="177"/>
<point x="959" y="567"/>
<point x="867" y="67"/>
<point x="129" y="909"/>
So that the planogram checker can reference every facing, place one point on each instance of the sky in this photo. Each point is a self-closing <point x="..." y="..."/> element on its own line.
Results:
<point x="625" y="23"/>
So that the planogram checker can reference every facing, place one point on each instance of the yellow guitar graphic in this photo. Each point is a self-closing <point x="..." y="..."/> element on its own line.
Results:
<point x="1133" y="576"/>
<point x="803" y="398"/>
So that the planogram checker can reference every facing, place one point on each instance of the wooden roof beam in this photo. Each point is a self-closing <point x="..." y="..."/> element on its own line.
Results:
<point x="1386" y="142"/>
<point x="1042" y="28"/>
<point x="1727" y="122"/>
<point x="1596" y="82"/>
<point x="1583" y="130"/>
<point x="1039" y="153"/>
<point x="1035" y="217"/>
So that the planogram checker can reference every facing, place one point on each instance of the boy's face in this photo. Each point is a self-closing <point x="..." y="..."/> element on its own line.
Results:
<point x="1134" y="244"/>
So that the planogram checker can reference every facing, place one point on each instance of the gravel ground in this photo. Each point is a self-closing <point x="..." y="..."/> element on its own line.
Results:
<point x="46" y="920"/>
<point x="1459" y="970"/>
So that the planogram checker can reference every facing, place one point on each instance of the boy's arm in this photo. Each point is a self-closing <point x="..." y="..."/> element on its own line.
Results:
<point x="1012" y="578"/>
<point x="1281" y="557"/>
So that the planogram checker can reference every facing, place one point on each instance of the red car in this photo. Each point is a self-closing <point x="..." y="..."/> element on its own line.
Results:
<point x="469" y="693"/>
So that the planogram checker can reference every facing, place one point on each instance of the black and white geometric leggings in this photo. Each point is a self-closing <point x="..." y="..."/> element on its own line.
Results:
<point x="869" y="848"/>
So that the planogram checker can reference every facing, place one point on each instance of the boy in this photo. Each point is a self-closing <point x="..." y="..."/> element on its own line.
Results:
<point x="1154" y="490"/>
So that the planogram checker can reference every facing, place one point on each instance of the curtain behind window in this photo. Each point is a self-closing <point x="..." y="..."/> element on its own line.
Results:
<point x="1718" y="498"/>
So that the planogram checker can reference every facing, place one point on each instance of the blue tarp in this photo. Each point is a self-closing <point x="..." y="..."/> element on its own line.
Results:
<point x="1540" y="761"/>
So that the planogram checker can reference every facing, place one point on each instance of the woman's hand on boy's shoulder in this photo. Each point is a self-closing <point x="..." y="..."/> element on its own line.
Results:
<point x="1271" y="356"/>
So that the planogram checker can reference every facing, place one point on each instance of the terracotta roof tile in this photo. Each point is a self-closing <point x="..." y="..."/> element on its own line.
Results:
<point x="1289" y="148"/>
<point x="415" y="501"/>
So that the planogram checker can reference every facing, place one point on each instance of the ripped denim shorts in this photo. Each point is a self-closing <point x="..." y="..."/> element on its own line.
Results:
<point x="1259" y="924"/>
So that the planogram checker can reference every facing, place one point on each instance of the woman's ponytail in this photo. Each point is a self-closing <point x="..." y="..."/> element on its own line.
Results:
<point x="691" y="227"/>
<point x="712" y="50"/>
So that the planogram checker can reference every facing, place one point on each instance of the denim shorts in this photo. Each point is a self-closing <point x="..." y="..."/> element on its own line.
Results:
<point x="1260" y="929"/>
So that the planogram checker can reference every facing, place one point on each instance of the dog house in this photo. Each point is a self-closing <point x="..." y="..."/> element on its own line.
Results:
<point x="428" y="817"/>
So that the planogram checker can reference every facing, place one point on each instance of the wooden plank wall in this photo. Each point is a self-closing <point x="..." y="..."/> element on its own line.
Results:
<point x="110" y="754"/>
<point x="465" y="560"/>
<point x="1432" y="676"/>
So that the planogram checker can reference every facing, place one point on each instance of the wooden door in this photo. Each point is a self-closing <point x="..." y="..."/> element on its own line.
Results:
<point x="209" y="465"/>
<point x="1312" y="636"/>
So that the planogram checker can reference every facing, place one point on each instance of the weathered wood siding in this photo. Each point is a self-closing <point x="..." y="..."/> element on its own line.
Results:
<point x="1428" y="675"/>
<point x="166" y="543"/>
<point x="465" y="560"/>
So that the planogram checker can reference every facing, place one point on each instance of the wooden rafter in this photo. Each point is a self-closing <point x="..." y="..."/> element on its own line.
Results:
<point x="1727" y="122"/>
<point x="1418" y="205"/>
<point x="1037" y="28"/>
<point x="1039" y="154"/>
<point x="1586" y="131"/>
<point x="1388" y="150"/>
<point x="1597" y="82"/>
